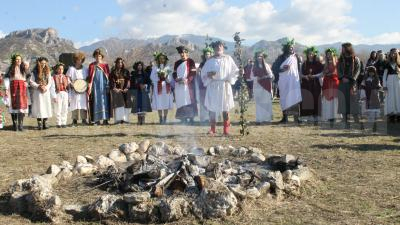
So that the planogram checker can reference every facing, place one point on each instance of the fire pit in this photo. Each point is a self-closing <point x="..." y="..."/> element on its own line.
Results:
<point x="161" y="183"/>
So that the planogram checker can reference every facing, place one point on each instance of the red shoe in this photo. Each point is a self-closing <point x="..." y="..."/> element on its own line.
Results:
<point x="212" y="129"/>
<point x="227" y="124"/>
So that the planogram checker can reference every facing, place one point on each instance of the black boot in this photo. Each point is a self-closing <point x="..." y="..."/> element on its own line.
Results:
<point x="284" y="119"/>
<point x="105" y="122"/>
<point x="74" y="122"/>
<point x="297" y="120"/>
<point x="84" y="122"/>
<point x="39" y="122"/>
<point x="374" y="127"/>
<point x="346" y="122"/>
<point x="331" y="123"/>
<point x="14" y="121"/>
<point x="21" y="122"/>
<point x="45" y="127"/>
<point x="161" y="120"/>
<point x="165" y="120"/>
<point x="143" y="120"/>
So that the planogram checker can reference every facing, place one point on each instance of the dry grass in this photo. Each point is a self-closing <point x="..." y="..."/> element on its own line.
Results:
<point x="358" y="172"/>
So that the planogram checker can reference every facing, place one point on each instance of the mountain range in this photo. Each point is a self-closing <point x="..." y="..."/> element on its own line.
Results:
<point x="37" y="42"/>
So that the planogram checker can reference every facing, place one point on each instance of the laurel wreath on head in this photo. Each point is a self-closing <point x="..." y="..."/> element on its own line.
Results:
<point x="208" y="49"/>
<point x="311" y="49"/>
<point x="14" y="57"/>
<point x="260" y="51"/>
<point x="333" y="51"/>
<point x="289" y="42"/>
<point x="157" y="55"/>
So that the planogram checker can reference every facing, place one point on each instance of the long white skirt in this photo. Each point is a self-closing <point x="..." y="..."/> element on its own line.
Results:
<point x="392" y="100"/>
<point x="121" y="114"/>
<point x="219" y="97"/>
<point x="329" y="109"/>
<point x="162" y="101"/>
<point x="41" y="104"/>
<point x="263" y="99"/>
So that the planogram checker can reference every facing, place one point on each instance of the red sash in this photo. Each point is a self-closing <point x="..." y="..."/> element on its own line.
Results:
<point x="266" y="83"/>
<point x="19" y="99"/>
<point x="330" y="84"/>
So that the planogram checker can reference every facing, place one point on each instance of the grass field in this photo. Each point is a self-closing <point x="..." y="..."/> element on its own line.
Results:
<point x="358" y="172"/>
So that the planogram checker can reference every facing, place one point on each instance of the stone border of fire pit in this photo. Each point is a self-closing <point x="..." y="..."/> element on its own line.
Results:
<point x="217" y="196"/>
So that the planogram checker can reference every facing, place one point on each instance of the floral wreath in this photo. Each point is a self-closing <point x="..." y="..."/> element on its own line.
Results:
<point x="157" y="55"/>
<point x="333" y="51"/>
<point x="311" y="49"/>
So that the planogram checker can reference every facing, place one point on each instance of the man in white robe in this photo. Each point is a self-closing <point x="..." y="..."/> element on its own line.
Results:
<point x="288" y="66"/>
<point x="184" y="76"/>
<point x="219" y="73"/>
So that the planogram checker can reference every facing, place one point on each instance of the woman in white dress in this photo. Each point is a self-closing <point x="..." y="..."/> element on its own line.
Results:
<point x="162" y="97"/>
<point x="391" y="86"/>
<point x="43" y="92"/>
<point x="78" y="101"/>
<point x="262" y="88"/>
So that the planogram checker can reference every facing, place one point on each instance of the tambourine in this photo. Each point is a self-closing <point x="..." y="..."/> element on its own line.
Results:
<point x="80" y="86"/>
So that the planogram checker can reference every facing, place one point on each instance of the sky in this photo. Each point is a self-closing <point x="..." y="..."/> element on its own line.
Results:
<point x="308" y="21"/>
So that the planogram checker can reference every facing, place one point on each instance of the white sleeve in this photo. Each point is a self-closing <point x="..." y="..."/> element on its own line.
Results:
<point x="233" y="72"/>
<point x="52" y="88"/>
<point x="385" y="74"/>
<point x="203" y="74"/>
<point x="33" y="82"/>
<point x="270" y="74"/>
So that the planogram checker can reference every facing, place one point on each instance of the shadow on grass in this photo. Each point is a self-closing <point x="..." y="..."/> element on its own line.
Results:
<point x="359" y="147"/>
<point x="64" y="136"/>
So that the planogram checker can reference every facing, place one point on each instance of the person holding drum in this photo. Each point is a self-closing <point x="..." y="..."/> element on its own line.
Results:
<point x="119" y="84"/>
<point x="77" y="95"/>
<point x="99" y="90"/>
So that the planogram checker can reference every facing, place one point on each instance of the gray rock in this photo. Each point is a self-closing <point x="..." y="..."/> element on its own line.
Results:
<point x="137" y="197"/>
<point x="79" y="212"/>
<point x="143" y="146"/>
<point x="263" y="187"/>
<point x="197" y="151"/>
<point x="215" y="201"/>
<point x="108" y="206"/>
<point x="178" y="150"/>
<point x="238" y="191"/>
<point x="252" y="193"/>
<point x="257" y="157"/>
<point x="304" y="173"/>
<point x="134" y="157"/>
<point x="159" y="149"/>
<point x="17" y="202"/>
<point x="129" y="148"/>
<point x="43" y="205"/>
<point x="240" y="152"/>
<point x="145" y="212"/>
<point x="276" y="180"/>
<point x="173" y="209"/>
<point x="117" y="156"/>
<point x="287" y="175"/>
<point x="201" y="161"/>
<point x="254" y="150"/>
<point x="221" y="150"/>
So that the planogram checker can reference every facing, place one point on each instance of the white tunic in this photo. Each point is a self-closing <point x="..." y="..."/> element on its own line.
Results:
<point x="392" y="100"/>
<point x="182" y="91"/>
<point x="289" y="84"/>
<point x="77" y="101"/>
<point x="263" y="98"/>
<point x="41" y="107"/>
<point x="164" y="100"/>
<point x="219" y="97"/>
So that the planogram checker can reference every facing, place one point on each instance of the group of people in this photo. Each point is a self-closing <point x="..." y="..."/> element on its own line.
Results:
<point x="321" y="89"/>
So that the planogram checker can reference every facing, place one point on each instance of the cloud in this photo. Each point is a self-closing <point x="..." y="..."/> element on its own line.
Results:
<point x="308" y="21"/>
<point x="2" y="34"/>
<point x="79" y="44"/>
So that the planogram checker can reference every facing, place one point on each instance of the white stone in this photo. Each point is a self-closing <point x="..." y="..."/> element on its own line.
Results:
<point x="257" y="157"/>
<point x="240" y="152"/>
<point x="254" y="150"/>
<point x="85" y="169"/>
<point x="211" y="151"/>
<point x="80" y="159"/>
<point x="287" y="175"/>
<point x="253" y="193"/>
<point x="263" y="187"/>
<point x="304" y="173"/>
<point x="103" y="162"/>
<point x="107" y="206"/>
<point x="144" y="146"/>
<point x="65" y="174"/>
<point x="129" y="148"/>
<point x="117" y="156"/>
<point x="89" y="159"/>
<point x="134" y="157"/>
<point x="66" y="164"/>
<point x="53" y="170"/>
